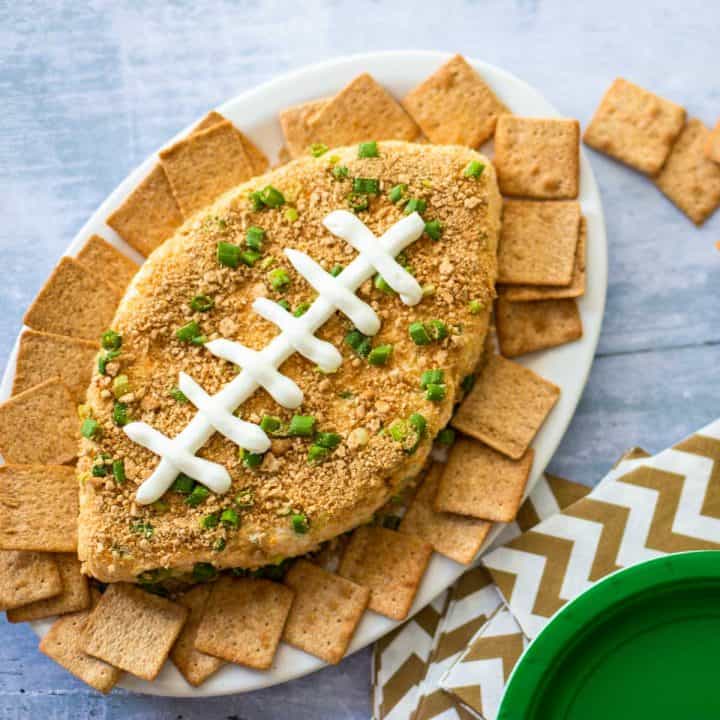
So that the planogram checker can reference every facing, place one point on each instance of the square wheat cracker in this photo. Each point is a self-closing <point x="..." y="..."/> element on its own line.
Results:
<point x="38" y="508"/>
<point x="362" y="110"/>
<point x="244" y="620"/>
<point x="195" y="666"/>
<point x="537" y="157"/>
<point x="538" y="242"/>
<point x="73" y="301"/>
<point x="107" y="262"/>
<point x="455" y="106"/>
<point x="26" y="577"/>
<point x="482" y="483"/>
<point x="295" y="126"/>
<point x="712" y="146"/>
<point x="689" y="178"/>
<point x="325" y="612"/>
<point x="390" y="564"/>
<point x="635" y="126"/>
<point x="525" y="327"/>
<point x="204" y="165"/>
<point x="133" y="630"/>
<point x="506" y="407"/>
<point x="75" y="594"/>
<point x="40" y="425"/>
<point x="576" y="288"/>
<point x="149" y="215"/>
<point x="43" y="355"/>
<point x="459" y="538"/>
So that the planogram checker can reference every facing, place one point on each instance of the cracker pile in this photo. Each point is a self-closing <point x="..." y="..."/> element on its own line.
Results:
<point x="313" y="603"/>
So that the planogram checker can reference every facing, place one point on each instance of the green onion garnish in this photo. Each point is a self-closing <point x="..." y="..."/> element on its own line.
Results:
<point x="476" y="307"/>
<point x="366" y="186"/>
<point x="118" y="470"/>
<point x="99" y="470"/>
<point x="291" y="214"/>
<point x="143" y="528"/>
<point x="316" y="454"/>
<point x="418" y="423"/>
<point x="467" y="383"/>
<point x="398" y="430"/>
<point x="336" y="270"/>
<point x="419" y="333"/>
<point x="120" y="414"/>
<point x="202" y="572"/>
<point x="435" y="393"/>
<point x="357" y="202"/>
<point x="219" y="545"/>
<point x="249" y="257"/>
<point x="278" y="279"/>
<point x="368" y="149"/>
<point x="329" y="440"/>
<point x="254" y="237"/>
<point x="284" y="304"/>
<point x="301" y="309"/>
<point x="397" y="193"/>
<point x="244" y="499"/>
<point x="110" y="340"/>
<point x="437" y="329"/>
<point x="433" y="229"/>
<point x="208" y="522"/>
<point x="360" y="343"/>
<point x="299" y="523"/>
<point x="318" y="149"/>
<point x="272" y="197"/>
<point x="415" y="205"/>
<point x="187" y="333"/>
<point x="251" y="460"/>
<point x="90" y="429"/>
<point x="202" y="303"/>
<point x="183" y="484"/>
<point x="340" y="172"/>
<point x="228" y="254"/>
<point x="432" y="377"/>
<point x="270" y="424"/>
<point x="446" y="437"/>
<point x="198" y="496"/>
<point x="380" y="355"/>
<point x="120" y="386"/>
<point x="381" y="284"/>
<point x="474" y="169"/>
<point x="230" y="518"/>
<point x="105" y="358"/>
<point x="301" y="426"/>
<point x="178" y="395"/>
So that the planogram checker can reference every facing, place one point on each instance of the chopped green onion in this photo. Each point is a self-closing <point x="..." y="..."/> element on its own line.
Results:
<point x="419" y="334"/>
<point x="278" y="279"/>
<point x="340" y="172"/>
<point x="301" y="309"/>
<point x="183" y="484"/>
<point x="318" y="149"/>
<point x="270" y="424"/>
<point x="244" y="499"/>
<point x="415" y="205"/>
<point x="187" y="333"/>
<point x="208" y="522"/>
<point x="90" y="429"/>
<point x="160" y="506"/>
<point x="99" y="470"/>
<point x="316" y="454"/>
<point x="105" y="358"/>
<point x="120" y="414"/>
<point x="268" y="262"/>
<point x="467" y="383"/>
<point x="368" y="150"/>
<point x="476" y="307"/>
<point x="397" y="193"/>
<point x="357" y="202"/>
<point x="446" y="436"/>
<point x="142" y="528"/>
<point x="178" y="395"/>
<point x="199" y="340"/>
<point x="230" y="518"/>
<point x="360" y="343"/>
<point x="366" y="186"/>
<point x="198" y="496"/>
<point x="380" y="355"/>
<point x="334" y="159"/>
<point x="291" y="214"/>
<point x="249" y="257"/>
<point x="202" y="303"/>
<point x="301" y="426"/>
<point x="336" y="270"/>
<point x="299" y="523"/>
<point x="432" y="377"/>
<point x="256" y="201"/>
<point x="219" y="545"/>
<point x="433" y="229"/>
<point x="110" y="340"/>
<point x="398" y="430"/>
<point x="381" y="284"/>
<point x="284" y="304"/>
<point x="203" y="572"/>
<point x="251" y="460"/>
<point x="437" y="329"/>
<point x="435" y="393"/>
<point x="418" y="423"/>
<point x="118" y="470"/>
<point x="120" y="386"/>
<point x="228" y="254"/>
<point x="474" y="169"/>
<point x="272" y="197"/>
<point x="329" y="440"/>
<point x="221" y="223"/>
<point x="254" y="237"/>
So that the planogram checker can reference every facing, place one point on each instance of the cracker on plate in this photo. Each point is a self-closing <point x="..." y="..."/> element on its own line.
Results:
<point x="133" y="630"/>
<point x="195" y="666"/>
<point x="107" y="262"/>
<point x="455" y="106"/>
<point x="26" y="577"/>
<point x="689" y="178"/>
<point x="325" y="612"/>
<point x="244" y="620"/>
<point x="362" y="110"/>
<point x="295" y="126"/>
<point x="576" y="288"/>
<point x="538" y="241"/>
<point x="538" y="157"/>
<point x="457" y="537"/>
<point x="524" y="327"/>
<point x="712" y="146"/>
<point x="43" y="355"/>
<point x="38" y="508"/>
<point x="506" y="407"/>
<point x="40" y="425"/>
<point x="204" y="165"/>
<point x="74" y="596"/>
<point x="635" y="126"/>
<point x="149" y="215"/>
<point x="390" y="564"/>
<point x="73" y="301"/>
<point x="482" y="483"/>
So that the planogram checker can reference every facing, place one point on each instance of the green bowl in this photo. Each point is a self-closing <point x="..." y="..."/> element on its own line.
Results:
<point x="641" y="643"/>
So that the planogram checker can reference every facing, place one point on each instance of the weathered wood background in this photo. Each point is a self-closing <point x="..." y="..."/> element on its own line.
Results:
<point x="88" y="90"/>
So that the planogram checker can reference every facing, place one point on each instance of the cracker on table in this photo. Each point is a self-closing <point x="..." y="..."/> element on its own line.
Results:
<point x="712" y="146"/>
<point x="133" y="630"/>
<point x="257" y="157"/>
<point x="635" y="126"/>
<point x="480" y="482"/>
<point x="455" y="106"/>
<point x="40" y="425"/>
<point x="195" y="666"/>
<point x="204" y="165"/>
<point x="506" y="407"/>
<point x="107" y="262"/>
<point x="74" y="302"/>
<point x="538" y="157"/>
<point x="74" y="596"/>
<point x="43" y="355"/>
<point x="26" y="577"/>
<point x="538" y="242"/>
<point x="576" y="288"/>
<point x="362" y="110"/>
<point x="390" y="564"/>
<point x="38" y="508"/>
<point x="244" y="620"/>
<point x="295" y="126"/>
<point x="325" y="611"/>
<point x="524" y="327"/>
<point x="149" y="215"/>
<point x="689" y="178"/>
<point x="63" y="644"/>
<point x="457" y="537"/>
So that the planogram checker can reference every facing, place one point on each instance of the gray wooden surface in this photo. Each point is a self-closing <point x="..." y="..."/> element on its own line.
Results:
<point x="89" y="89"/>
